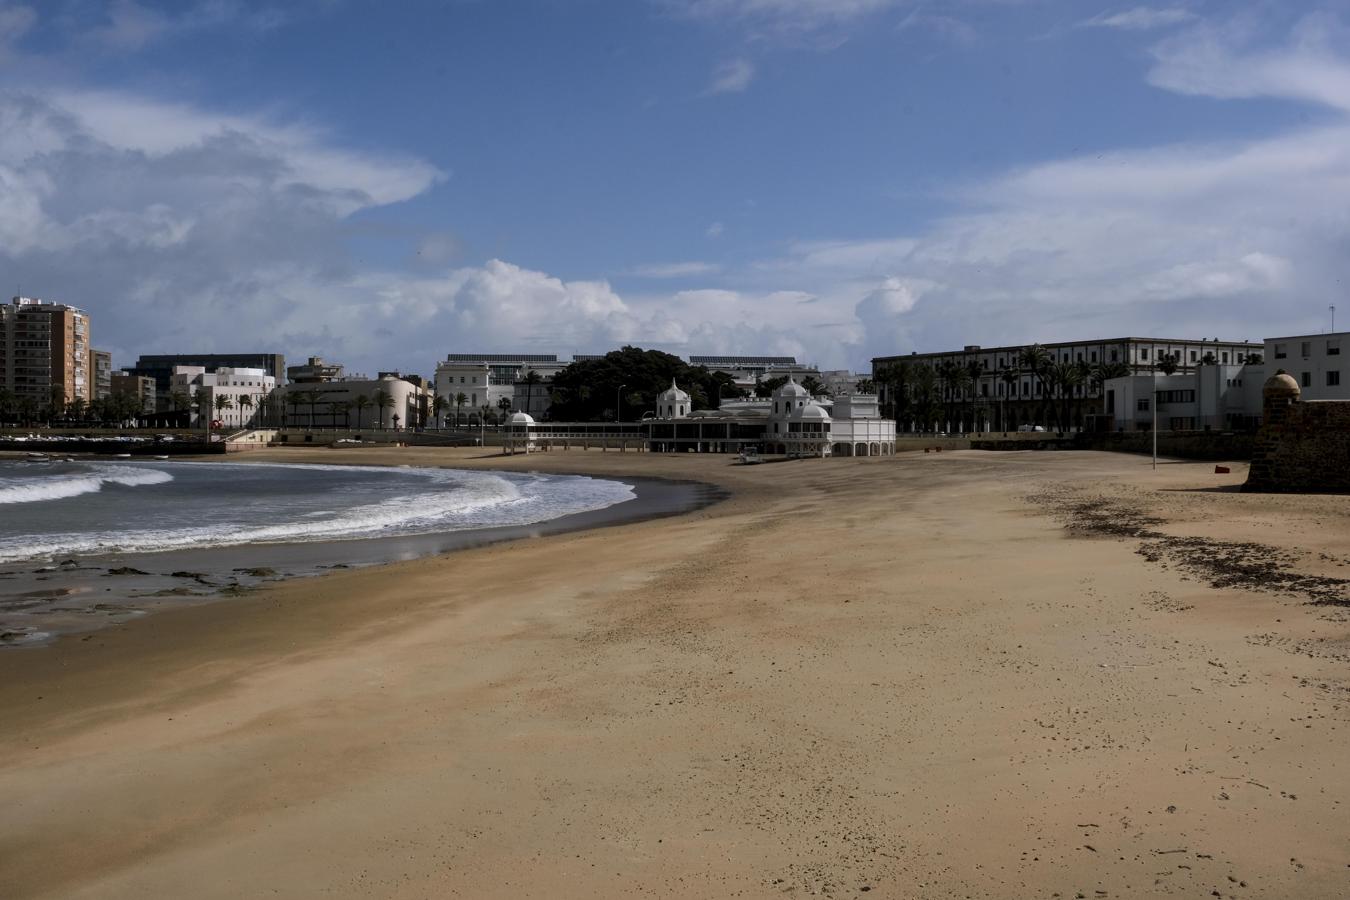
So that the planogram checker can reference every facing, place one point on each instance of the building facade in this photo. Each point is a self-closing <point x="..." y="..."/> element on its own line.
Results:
<point x="45" y="357"/>
<point x="103" y="372"/>
<point x="139" y="387"/>
<point x="237" y="397"/>
<point x="494" y="384"/>
<point x="388" y="401"/>
<point x="995" y="389"/>
<point x="1315" y="361"/>
<point x="161" y="366"/>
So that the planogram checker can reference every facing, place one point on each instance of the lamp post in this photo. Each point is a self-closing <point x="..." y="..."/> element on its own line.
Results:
<point x="1155" y="425"/>
<point x="618" y="403"/>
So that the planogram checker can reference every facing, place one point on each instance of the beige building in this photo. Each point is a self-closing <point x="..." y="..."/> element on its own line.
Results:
<point x="142" y="387"/>
<point x="103" y="372"/>
<point x="44" y="352"/>
<point x="320" y="395"/>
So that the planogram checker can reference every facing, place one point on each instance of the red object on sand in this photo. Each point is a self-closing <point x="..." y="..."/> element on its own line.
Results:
<point x="1221" y="470"/>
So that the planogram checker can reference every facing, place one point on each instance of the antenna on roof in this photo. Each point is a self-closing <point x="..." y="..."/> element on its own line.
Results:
<point x="1333" y="317"/>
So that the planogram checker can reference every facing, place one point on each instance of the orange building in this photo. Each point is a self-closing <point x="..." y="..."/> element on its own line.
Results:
<point x="44" y="352"/>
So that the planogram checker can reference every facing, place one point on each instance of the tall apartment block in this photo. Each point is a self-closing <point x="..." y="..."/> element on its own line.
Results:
<point x="44" y="352"/>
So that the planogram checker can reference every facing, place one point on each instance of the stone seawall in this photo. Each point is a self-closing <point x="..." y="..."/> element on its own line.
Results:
<point x="1303" y="447"/>
<point x="1215" y="445"/>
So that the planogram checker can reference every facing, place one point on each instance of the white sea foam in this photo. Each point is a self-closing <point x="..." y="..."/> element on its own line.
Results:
<point x="59" y="487"/>
<point x="444" y="500"/>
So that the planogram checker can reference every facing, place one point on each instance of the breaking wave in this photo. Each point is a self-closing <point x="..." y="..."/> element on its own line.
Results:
<point x="59" y="487"/>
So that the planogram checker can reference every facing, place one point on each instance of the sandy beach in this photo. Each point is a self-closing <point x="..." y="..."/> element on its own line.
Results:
<point x="948" y="675"/>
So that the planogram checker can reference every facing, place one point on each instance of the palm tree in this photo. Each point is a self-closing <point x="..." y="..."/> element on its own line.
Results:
<point x="9" y="401"/>
<point x="959" y="382"/>
<point x="812" y="385"/>
<point x="295" y="398"/>
<point x="438" y="407"/>
<point x="335" y="409"/>
<point x="361" y="402"/>
<point x="1168" y="363"/>
<point x="312" y="398"/>
<point x="1208" y="359"/>
<point x="531" y="379"/>
<point x="223" y="402"/>
<point x="382" y="400"/>
<point x="504" y="404"/>
<point x="1008" y="375"/>
<point x="460" y="399"/>
<point x="1036" y="359"/>
<point x="245" y="402"/>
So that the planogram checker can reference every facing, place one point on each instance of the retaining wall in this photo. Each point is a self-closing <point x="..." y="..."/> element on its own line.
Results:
<point x="1303" y="448"/>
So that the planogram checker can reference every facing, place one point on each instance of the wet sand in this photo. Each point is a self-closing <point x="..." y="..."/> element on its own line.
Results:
<point x="965" y="674"/>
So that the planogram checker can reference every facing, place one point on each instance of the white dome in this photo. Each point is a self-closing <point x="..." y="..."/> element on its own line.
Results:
<point x="790" y="390"/>
<point x="812" y="412"/>
<point x="673" y="394"/>
<point x="520" y="418"/>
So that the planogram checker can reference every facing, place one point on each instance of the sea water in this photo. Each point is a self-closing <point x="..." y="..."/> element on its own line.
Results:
<point x="52" y="510"/>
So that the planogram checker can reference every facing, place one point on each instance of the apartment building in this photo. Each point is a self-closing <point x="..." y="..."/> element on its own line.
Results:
<point x="999" y="392"/>
<point x="1317" y="362"/>
<point x="141" y="387"/>
<point x="103" y="372"/>
<point x="45" y="356"/>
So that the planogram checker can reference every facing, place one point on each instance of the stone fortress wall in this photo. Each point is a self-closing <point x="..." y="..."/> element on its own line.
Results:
<point x="1302" y="446"/>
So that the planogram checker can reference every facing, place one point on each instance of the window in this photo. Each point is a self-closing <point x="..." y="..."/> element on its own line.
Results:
<point x="1280" y="352"/>
<point x="1114" y="354"/>
<point x="1192" y="356"/>
<point x="1224" y="356"/>
<point x="1334" y="348"/>
<point x="1143" y="353"/>
<point x="1333" y="378"/>
<point x="1165" y="397"/>
<point x="1306" y="349"/>
<point x="1141" y="404"/>
<point x="1094" y="356"/>
<point x="1307" y="379"/>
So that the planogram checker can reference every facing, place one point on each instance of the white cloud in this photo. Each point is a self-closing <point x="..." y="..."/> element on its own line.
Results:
<point x="948" y="27"/>
<point x="730" y="77"/>
<point x="129" y="25"/>
<point x="715" y="230"/>
<point x="675" y="270"/>
<point x="1230" y="60"/>
<point x="1140" y="18"/>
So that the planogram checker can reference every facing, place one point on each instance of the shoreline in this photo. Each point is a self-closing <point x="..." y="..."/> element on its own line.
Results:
<point x="149" y="583"/>
<point x="922" y="676"/>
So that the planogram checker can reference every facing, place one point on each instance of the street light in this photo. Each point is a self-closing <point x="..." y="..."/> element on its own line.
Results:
<point x="618" y="402"/>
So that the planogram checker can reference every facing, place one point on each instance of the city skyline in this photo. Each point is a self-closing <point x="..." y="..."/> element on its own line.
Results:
<point x="823" y="180"/>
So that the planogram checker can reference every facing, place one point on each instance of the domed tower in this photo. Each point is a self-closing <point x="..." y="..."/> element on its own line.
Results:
<point x="1279" y="393"/>
<point x="789" y="397"/>
<point x="672" y="403"/>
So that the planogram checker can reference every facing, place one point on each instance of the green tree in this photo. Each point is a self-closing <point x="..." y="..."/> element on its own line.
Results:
<point x="765" y="387"/>
<point x="313" y="398"/>
<point x="245" y="403"/>
<point x="1009" y="376"/>
<point x="222" y="403"/>
<point x="9" y="403"/>
<point x="295" y="399"/>
<point x="813" y="386"/>
<point x="460" y="399"/>
<point x="1037" y="361"/>
<point x="360" y="402"/>
<point x="504" y="404"/>
<point x="531" y="380"/>
<point x="438" y="407"/>
<point x="382" y="401"/>
<point x="1168" y="363"/>
<point x="585" y="388"/>
<point x="1208" y="359"/>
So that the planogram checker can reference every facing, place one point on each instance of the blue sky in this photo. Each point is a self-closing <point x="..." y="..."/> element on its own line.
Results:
<point x="385" y="183"/>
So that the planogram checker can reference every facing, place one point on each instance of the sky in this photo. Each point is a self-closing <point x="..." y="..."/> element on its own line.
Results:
<point x="382" y="184"/>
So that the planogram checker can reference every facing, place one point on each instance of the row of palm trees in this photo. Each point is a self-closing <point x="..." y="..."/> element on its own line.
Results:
<point x="927" y="397"/>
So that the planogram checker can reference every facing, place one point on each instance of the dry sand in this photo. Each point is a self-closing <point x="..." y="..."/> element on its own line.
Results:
<point x="900" y="677"/>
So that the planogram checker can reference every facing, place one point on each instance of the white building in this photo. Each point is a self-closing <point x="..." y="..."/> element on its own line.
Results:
<point x="1315" y="362"/>
<point x="494" y="383"/>
<point x="355" y="401"/>
<point x="1218" y="398"/>
<point x="235" y="397"/>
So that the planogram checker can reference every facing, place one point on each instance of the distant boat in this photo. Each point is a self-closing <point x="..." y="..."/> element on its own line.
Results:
<point x="124" y="456"/>
<point x="162" y="457"/>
